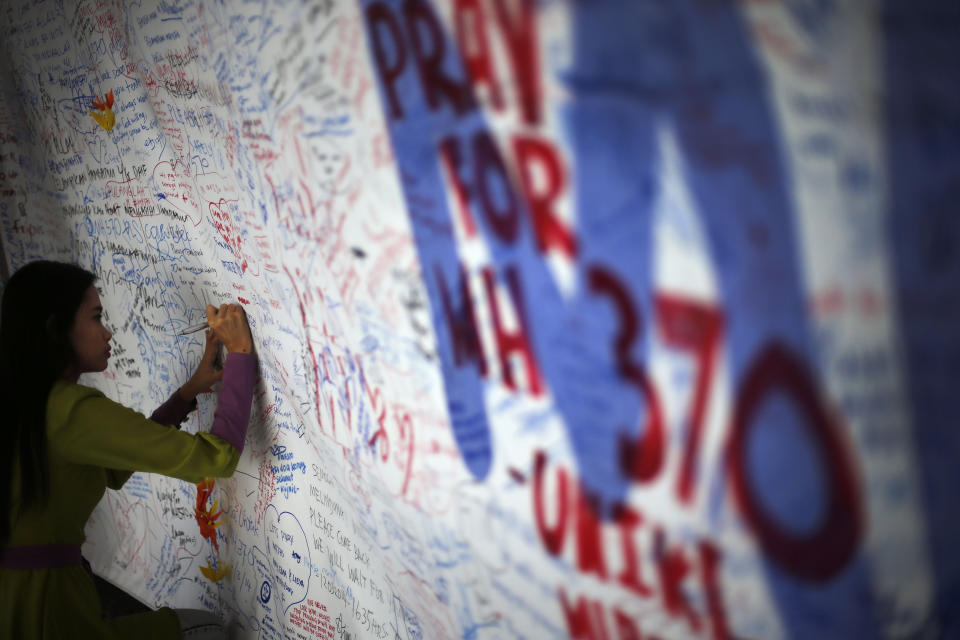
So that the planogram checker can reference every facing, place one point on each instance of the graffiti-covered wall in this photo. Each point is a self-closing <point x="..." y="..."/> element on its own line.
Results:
<point x="606" y="319"/>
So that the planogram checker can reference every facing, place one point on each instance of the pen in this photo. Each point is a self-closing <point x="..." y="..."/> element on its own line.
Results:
<point x="194" y="329"/>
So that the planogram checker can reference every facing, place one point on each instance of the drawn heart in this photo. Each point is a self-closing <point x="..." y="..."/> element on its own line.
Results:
<point x="289" y="557"/>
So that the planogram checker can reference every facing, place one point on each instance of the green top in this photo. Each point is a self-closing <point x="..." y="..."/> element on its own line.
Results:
<point x="94" y="443"/>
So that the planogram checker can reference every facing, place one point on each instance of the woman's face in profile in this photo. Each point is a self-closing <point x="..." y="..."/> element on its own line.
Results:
<point x="88" y="337"/>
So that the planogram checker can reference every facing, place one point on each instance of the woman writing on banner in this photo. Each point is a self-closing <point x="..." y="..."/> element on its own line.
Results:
<point x="65" y="443"/>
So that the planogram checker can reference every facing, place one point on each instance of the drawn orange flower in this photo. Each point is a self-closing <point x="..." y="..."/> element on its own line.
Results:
<point x="215" y="574"/>
<point x="207" y="518"/>
<point x="104" y="111"/>
<point x="204" y="489"/>
<point x="103" y="105"/>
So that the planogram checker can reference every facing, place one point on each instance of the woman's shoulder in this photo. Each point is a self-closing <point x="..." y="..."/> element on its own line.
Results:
<point x="63" y="397"/>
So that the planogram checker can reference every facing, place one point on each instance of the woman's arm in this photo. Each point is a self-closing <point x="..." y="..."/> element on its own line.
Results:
<point x="172" y="412"/>
<point x="232" y="415"/>
<point x="181" y="402"/>
<point x="88" y="428"/>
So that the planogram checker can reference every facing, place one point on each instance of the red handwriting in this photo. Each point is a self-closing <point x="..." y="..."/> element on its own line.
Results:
<point x="266" y="489"/>
<point x="177" y="190"/>
<point x="311" y="616"/>
<point x="228" y="231"/>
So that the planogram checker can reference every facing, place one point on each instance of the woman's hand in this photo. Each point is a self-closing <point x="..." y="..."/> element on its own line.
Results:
<point x="229" y="323"/>
<point x="206" y="373"/>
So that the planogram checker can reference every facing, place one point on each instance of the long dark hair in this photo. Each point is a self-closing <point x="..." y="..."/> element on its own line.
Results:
<point x="38" y="309"/>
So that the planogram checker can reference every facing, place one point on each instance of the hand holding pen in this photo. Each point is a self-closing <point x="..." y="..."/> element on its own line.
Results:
<point x="207" y="372"/>
<point x="229" y="324"/>
<point x="194" y="329"/>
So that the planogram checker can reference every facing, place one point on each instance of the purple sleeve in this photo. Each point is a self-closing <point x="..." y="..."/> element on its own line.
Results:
<point x="173" y="411"/>
<point x="232" y="415"/>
